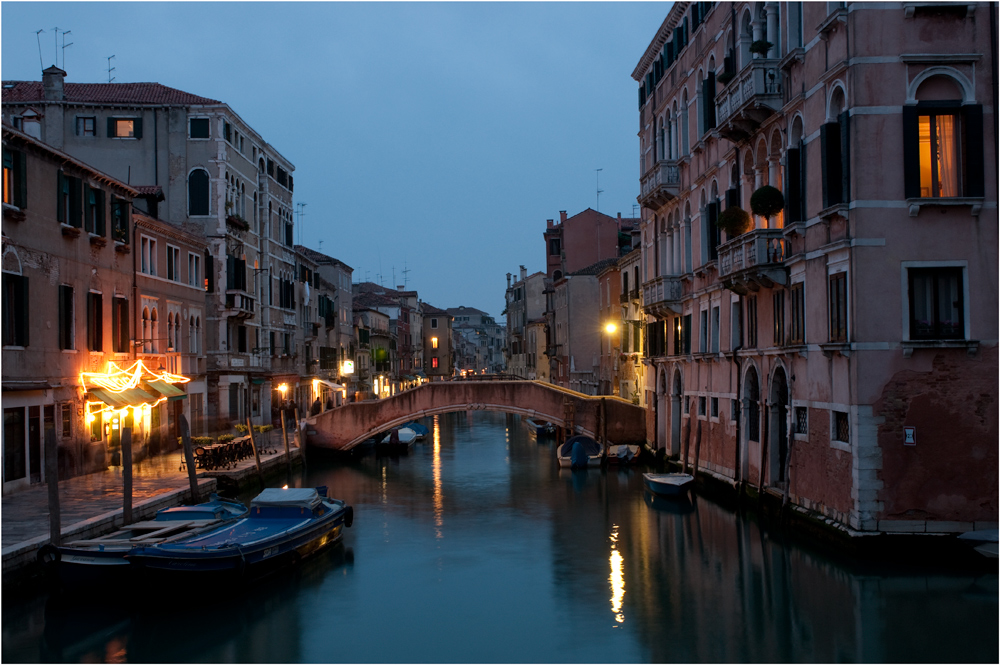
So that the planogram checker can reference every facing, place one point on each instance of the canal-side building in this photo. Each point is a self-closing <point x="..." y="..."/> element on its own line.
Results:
<point x="525" y="300"/>
<point x="631" y="372"/>
<point x="610" y="325"/>
<point x="479" y="341"/>
<point x="840" y="353"/>
<point x="220" y="179"/>
<point x="439" y="352"/>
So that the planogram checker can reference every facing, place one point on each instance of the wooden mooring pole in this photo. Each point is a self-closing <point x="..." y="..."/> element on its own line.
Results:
<point x="284" y="436"/>
<point x="126" y="440"/>
<point x="189" y="458"/>
<point x="52" y="477"/>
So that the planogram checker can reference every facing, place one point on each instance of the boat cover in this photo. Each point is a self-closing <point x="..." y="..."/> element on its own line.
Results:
<point x="417" y="427"/>
<point x="589" y="446"/>
<point x="293" y="497"/>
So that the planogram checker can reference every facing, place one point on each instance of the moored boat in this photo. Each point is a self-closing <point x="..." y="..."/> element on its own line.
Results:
<point x="102" y="560"/>
<point x="282" y="527"/>
<point x="668" y="484"/>
<point x="540" y="427"/>
<point x="623" y="454"/>
<point x="420" y="430"/>
<point x="579" y="452"/>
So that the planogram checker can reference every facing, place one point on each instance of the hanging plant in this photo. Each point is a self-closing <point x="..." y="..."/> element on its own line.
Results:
<point x="734" y="221"/>
<point x="767" y="202"/>
<point x="761" y="47"/>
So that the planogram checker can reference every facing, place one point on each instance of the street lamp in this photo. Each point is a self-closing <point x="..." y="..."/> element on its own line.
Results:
<point x="610" y="328"/>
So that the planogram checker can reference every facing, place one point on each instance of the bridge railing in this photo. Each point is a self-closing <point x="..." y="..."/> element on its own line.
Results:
<point x="488" y="377"/>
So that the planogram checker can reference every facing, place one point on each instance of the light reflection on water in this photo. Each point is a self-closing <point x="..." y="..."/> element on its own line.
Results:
<point x="524" y="577"/>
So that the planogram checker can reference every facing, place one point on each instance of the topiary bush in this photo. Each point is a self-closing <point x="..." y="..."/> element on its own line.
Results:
<point x="767" y="202"/>
<point x="761" y="47"/>
<point x="734" y="221"/>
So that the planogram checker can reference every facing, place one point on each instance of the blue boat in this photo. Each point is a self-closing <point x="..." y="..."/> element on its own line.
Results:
<point x="282" y="527"/>
<point x="420" y="430"/>
<point x="98" y="561"/>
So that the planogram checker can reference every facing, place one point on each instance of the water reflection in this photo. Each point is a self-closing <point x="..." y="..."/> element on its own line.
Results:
<point x="524" y="576"/>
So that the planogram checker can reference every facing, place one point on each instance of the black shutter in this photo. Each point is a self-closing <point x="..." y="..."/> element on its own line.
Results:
<point x="972" y="122"/>
<point x="210" y="272"/>
<point x="732" y="197"/>
<point x="60" y="199"/>
<point x="911" y="154"/>
<point x="111" y="128"/>
<point x="803" y="183"/>
<point x="75" y="213"/>
<point x="230" y="272"/>
<point x="845" y="156"/>
<point x="792" y="203"/>
<point x="137" y="128"/>
<point x="832" y="175"/>
<point x="116" y="337"/>
<point x="21" y="179"/>
<point x="714" y="238"/>
<point x="100" y="227"/>
<point x="88" y="226"/>
<point x="710" y="102"/>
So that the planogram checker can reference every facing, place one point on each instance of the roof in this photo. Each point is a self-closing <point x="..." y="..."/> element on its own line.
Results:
<point x="372" y="287"/>
<point x="431" y="309"/>
<point x="373" y="300"/>
<point x="319" y="258"/>
<point x="595" y="268"/>
<point x="466" y="310"/>
<point x="26" y="92"/>
<point x="154" y="191"/>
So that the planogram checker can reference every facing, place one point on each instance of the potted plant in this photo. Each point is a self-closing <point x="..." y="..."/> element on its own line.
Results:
<point x="734" y="221"/>
<point x="761" y="47"/>
<point x="724" y="77"/>
<point x="767" y="202"/>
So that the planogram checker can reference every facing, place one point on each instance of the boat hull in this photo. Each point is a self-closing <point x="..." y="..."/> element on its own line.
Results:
<point x="668" y="484"/>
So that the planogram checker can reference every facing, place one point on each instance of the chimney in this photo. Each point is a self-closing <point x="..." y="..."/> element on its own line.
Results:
<point x="52" y="84"/>
<point x="524" y="273"/>
<point x="508" y="280"/>
<point x="562" y="216"/>
<point x="400" y="287"/>
<point x="548" y="223"/>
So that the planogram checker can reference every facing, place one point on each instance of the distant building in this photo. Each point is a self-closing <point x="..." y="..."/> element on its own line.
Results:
<point x="482" y="350"/>
<point x="405" y="322"/>
<point x="437" y="342"/>
<point x="335" y="343"/>
<point x="610" y="324"/>
<point x="573" y="243"/>
<point x="525" y="303"/>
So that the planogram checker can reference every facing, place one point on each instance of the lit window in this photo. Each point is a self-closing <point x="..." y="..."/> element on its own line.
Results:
<point x="940" y="157"/>
<point x="434" y="342"/>
<point x="124" y="128"/>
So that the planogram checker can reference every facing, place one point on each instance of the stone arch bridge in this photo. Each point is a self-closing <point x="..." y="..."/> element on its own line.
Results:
<point x="344" y="427"/>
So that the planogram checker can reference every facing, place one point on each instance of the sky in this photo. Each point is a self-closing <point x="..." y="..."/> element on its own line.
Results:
<point x="430" y="138"/>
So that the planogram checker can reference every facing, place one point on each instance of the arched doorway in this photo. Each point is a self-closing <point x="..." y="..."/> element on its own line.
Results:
<point x="751" y="407"/>
<point x="660" y="405"/>
<point x="675" y="414"/>
<point x="778" y="426"/>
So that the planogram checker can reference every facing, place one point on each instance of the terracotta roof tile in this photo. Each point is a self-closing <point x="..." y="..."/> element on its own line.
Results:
<point x="15" y="92"/>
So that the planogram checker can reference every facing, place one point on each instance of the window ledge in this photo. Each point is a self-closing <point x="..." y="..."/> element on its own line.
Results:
<point x="800" y="437"/>
<point x="98" y="240"/>
<point x="975" y="203"/>
<point x="794" y="229"/>
<point x="829" y="349"/>
<point x="829" y="24"/>
<point x="121" y="247"/>
<point x="800" y="349"/>
<point x="12" y="213"/>
<point x="971" y="346"/>
<point x="836" y="209"/>
<point x="840" y="445"/>
<point x="797" y="54"/>
<point x="70" y="231"/>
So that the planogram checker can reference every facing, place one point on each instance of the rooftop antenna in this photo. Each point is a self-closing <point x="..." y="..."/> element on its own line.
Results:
<point x="64" y="45"/>
<point x="321" y="246"/>
<point x="110" y="69"/>
<point x="599" y="190"/>
<point x="39" y="40"/>
<point x="394" y="277"/>
<point x="405" y="278"/>
<point x="634" y="206"/>
<point x="300" y="212"/>
<point x="55" y="43"/>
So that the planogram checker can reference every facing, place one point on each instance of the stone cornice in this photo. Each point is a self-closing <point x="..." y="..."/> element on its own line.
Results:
<point x="666" y="28"/>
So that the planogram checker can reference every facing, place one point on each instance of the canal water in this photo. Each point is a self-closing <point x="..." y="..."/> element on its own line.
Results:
<point x="475" y="547"/>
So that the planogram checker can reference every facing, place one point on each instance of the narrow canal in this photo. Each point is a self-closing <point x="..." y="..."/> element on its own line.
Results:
<point x="476" y="548"/>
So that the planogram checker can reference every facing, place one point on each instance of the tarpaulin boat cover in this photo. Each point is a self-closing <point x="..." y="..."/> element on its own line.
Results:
<point x="589" y="446"/>
<point x="294" y="497"/>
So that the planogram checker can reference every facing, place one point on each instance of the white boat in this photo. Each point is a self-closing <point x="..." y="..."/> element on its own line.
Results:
<point x="668" y="484"/>
<point x="623" y="454"/>
<point x="406" y="436"/>
<point x="984" y="541"/>
<point x="579" y="452"/>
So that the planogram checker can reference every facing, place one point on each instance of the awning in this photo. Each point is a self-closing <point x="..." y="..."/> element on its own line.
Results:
<point x="331" y="384"/>
<point x="169" y="391"/>
<point x="132" y="397"/>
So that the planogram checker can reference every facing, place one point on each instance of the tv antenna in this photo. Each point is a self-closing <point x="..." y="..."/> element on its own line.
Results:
<point x="55" y="44"/>
<point x="38" y="39"/>
<point x="405" y="277"/>
<point x="110" y="69"/>
<point x="599" y="190"/>
<point x="64" y="45"/>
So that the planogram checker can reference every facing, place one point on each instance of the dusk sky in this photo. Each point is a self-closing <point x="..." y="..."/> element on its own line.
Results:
<point x="438" y="137"/>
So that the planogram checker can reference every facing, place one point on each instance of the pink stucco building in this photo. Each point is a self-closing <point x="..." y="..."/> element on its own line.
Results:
<point x="842" y="353"/>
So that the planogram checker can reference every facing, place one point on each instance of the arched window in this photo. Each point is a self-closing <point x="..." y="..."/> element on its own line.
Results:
<point x="685" y="112"/>
<point x="146" y="347"/>
<point x="170" y="332"/>
<point x="198" y="193"/>
<point x="154" y="330"/>
<point x="192" y="340"/>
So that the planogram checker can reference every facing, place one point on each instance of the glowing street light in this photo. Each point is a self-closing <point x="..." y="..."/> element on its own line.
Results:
<point x="610" y="328"/>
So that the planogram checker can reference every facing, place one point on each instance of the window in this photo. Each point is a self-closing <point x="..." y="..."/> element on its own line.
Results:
<point x="66" y="336"/>
<point x="841" y="427"/>
<point x="236" y="278"/>
<point x="797" y="296"/>
<point x="434" y="323"/>
<point x="199" y="128"/>
<point x="703" y="332"/>
<point x="715" y="330"/>
<point x="119" y="219"/>
<point x="715" y="407"/>
<point x="86" y="126"/>
<point x="701" y="405"/>
<point x="119" y="325"/>
<point x="838" y="307"/>
<point x="736" y="331"/>
<point x="15" y="310"/>
<point x="173" y="263"/>
<point x="14" y="178"/>
<point x="68" y="208"/>
<point x="148" y="256"/>
<point x="801" y="420"/>
<point x="241" y="339"/>
<point x="752" y="322"/>
<point x="97" y="426"/>
<point x="555" y="247"/>
<point x="936" y="306"/>
<point x="834" y="142"/>
<point x="778" y="298"/>
<point x="95" y="322"/>
<point x="194" y="270"/>
<point x="194" y="333"/>
<point x="227" y="131"/>
<point x="434" y="363"/>
<point x="93" y="221"/>
<point x="734" y="409"/>
<point x="64" y="414"/>
<point x="198" y="191"/>
<point x="434" y="342"/>
<point x="943" y="149"/>
<point x="125" y="128"/>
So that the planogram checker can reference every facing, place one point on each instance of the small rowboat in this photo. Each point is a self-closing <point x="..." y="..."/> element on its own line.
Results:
<point x="668" y="484"/>
<point x="540" y="427"/>
<point x="406" y="436"/>
<point x="623" y="454"/>
<point x="579" y="452"/>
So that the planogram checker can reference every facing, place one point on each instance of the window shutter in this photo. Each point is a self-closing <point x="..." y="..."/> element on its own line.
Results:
<point x="972" y="122"/>
<point x="792" y="203"/>
<point x="111" y="128"/>
<point x="911" y="154"/>
<point x="210" y="272"/>
<point x="832" y="176"/>
<point x="803" y="183"/>
<point x="732" y="197"/>
<point x="845" y="156"/>
<point x="24" y="311"/>
<point x="710" y="101"/>
<point x="60" y="199"/>
<point x="99" y="201"/>
<point x="230" y="272"/>
<point x="87" y="224"/>
<point x="137" y="128"/>
<point x="714" y="238"/>
<point x="21" y="169"/>
<point x="75" y="202"/>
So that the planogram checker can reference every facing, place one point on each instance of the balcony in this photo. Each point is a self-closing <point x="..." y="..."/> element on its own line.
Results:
<point x="753" y="260"/>
<point x="661" y="296"/>
<point x="660" y="184"/>
<point x="749" y="99"/>
<point x="238" y="304"/>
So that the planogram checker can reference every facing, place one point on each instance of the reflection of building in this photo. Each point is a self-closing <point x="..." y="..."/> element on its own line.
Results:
<point x="525" y="304"/>
<point x="835" y="351"/>
<point x="87" y="283"/>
